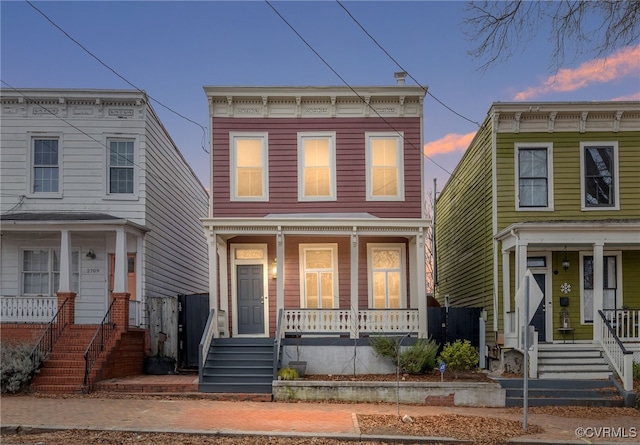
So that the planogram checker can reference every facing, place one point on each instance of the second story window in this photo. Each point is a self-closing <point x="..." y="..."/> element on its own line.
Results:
<point x="249" y="167"/>
<point x="121" y="167"/>
<point x="599" y="175"/>
<point x="533" y="170"/>
<point x="385" y="167"/>
<point x="46" y="171"/>
<point x="316" y="167"/>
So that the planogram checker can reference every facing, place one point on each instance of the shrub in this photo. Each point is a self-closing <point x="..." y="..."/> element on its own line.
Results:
<point x="17" y="366"/>
<point x="414" y="359"/>
<point x="459" y="356"/>
<point x="287" y="374"/>
<point x="636" y="371"/>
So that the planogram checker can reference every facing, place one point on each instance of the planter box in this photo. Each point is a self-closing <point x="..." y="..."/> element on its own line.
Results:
<point x="424" y="393"/>
<point x="159" y="365"/>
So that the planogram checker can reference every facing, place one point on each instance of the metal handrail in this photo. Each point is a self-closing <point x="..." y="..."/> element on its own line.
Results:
<point x="623" y="367"/>
<point x="98" y="343"/>
<point x="51" y="334"/>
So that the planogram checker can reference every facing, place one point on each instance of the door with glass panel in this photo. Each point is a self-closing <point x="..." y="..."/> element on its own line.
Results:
<point x="319" y="278"/>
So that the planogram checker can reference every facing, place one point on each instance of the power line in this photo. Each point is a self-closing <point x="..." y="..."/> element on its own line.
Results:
<point x="204" y="130"/>
<point x="403" y="69"/>
<point x="352" y="89"/>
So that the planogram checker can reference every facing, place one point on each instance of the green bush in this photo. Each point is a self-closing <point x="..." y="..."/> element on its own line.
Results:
<point x="414" y="359"/>
<point x="459" y="356"/>
<point x="288" y="374"/>
<point x="17" y="367"/>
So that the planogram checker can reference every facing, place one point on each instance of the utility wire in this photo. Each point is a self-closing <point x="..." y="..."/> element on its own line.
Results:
<point x="403" y="69"/>
<point x="204" y="130"/>
<point x="351" y="88"/>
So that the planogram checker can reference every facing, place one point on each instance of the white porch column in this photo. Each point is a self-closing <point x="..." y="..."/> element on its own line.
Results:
<point x="598" y="283"/>
<point x="506" y="293"/>
<point x="65" y="262"/>
<point x="223" y="285"/>
<point x="120" y="267"/>
<point x="420" y="279"/>
<point x="354" y="270"/>
<point x="212" y="239"/>
<point x="521" y="262"/>
<point x="279" y="270"/>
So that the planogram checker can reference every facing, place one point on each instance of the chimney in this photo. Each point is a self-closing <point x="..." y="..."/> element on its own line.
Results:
<point x="400" y="76"/>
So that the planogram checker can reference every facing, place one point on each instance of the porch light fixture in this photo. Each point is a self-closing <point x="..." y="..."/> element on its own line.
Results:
<point x="274" y="269"/>
<point x="565" y="261"/>
<point x="91" y="254"/>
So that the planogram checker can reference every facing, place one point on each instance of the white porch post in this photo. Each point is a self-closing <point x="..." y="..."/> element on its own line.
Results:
<point x="279" y="270"/>
<point x="420" y="279"/>
<point x="120" y="272"/>
<point x="212" y="239"/>
<point x="506" y="293"/>
<point x="354" y="283"/>
<point x="598" y="292"/>
<point x="521" y="269"/>
<point x="65" y="262"/>
<point x="223" y="286"/>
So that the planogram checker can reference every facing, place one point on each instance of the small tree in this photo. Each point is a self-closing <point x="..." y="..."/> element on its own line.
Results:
<point x="459" y="356"/>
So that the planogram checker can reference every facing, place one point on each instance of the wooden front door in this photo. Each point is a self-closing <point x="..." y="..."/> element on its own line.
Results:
<point x="131" y="274"/>
<point x="251" y="299"/>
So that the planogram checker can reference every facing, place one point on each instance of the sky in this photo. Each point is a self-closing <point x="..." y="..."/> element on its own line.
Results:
<point x="172" y="49"/>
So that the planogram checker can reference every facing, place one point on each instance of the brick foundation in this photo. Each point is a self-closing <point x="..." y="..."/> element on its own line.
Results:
<point x="17" y="333"/>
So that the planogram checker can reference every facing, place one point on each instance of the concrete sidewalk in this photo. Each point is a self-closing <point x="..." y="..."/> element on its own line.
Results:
<point x="276" y="418"/>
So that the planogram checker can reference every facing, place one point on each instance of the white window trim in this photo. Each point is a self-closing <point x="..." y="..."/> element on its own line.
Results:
<point x="616" y="179"/>
<point x="550" y="176"/>
<point x="50" y="271"/>
<point x="31" y="137"/>
<point x="136" y="170"/>
<point x="619" y="297"/>
<point x="234" y="284"/>
<point x="403" y="269"/>
<point x="263" y="136"/>
<point x="331" y="136"/>
<point x="399" y="137"/>
<point x="334" y="255"/>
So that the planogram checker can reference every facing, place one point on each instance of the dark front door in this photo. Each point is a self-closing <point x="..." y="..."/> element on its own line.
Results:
<point x="539" y="320"/>
<point x="250" y="300"/>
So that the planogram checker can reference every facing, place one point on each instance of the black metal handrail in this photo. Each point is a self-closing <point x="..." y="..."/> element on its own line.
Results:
<point x="98" y="343"/>
<point x="51" y="334"/>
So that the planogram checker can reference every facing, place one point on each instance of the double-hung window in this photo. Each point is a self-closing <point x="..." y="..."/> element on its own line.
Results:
<point x="45" y="174"/>
<point x="121" y="165"/>
<point x="319" y="278"/>
<point x="609" y="285"/>
<point x="386" y="276"/>
<point x="249" y="167"/>
<point x="385" y="166"/>
<point x="534" y="177"/>
<point x="599" y="179"/>
<point x="41" y="271"/>
<point x="316" y="167"/>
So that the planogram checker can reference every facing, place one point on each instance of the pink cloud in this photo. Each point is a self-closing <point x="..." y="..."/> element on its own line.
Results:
<point x="449" y="143"/>
<point x="620" y="64"/>
<point x="633" y="96"/>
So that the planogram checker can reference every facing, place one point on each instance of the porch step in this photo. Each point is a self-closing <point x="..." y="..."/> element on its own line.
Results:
<point x="572" y="362"/>
<point x="560" y="392"/>
<point x="238" y="365"/>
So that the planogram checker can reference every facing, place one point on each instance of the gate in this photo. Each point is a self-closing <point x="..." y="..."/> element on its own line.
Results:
<point x="456" y="323"/>
<point x="193" y="311"/>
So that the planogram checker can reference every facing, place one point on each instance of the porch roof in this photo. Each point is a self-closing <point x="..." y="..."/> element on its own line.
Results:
<point x="621" y="233"/>
<point x="26" y="221"/>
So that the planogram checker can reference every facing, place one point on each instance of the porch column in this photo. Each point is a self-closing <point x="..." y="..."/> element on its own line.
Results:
<point x="598" y="292"/>
<point x="421" y="281"/>
<point x="506" y="293"/>
<point x="521" y="269"/>
<point x="64" y="292"/>
<point x="120" y="294"/>
<point x="223" y="289"/>
<point x="279" y="270"/>
<point x="212" y="238"/>
<point x="355" y="241"/>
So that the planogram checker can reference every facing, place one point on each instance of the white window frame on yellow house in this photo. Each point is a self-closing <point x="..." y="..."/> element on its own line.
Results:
<point x="304" y="250"/>
<point x="618" y="289"/>
<point x="548" y="148"/>
<point x="317" y="159"/>
<point x="613" y="145"/>
<point x="258" y="161"/>
<point x="400" y="269"/>
<point x="373" y="167"/>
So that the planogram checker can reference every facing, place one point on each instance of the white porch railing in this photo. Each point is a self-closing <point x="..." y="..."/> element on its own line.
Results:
<point x="625" y="323"/>
<point x="354" y="323"/>
<point x="620" y="358"/>
<point x="27" y="309"/>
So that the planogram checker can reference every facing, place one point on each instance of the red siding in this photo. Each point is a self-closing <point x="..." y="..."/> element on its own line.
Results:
<point x="350" y="166"/>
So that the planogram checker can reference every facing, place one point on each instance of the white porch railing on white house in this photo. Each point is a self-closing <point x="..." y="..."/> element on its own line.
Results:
<point x="620" y="358"/>
<point x="353" y="323"/>
<point x="625" y="323"/>
<point x="27" y="309"/>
